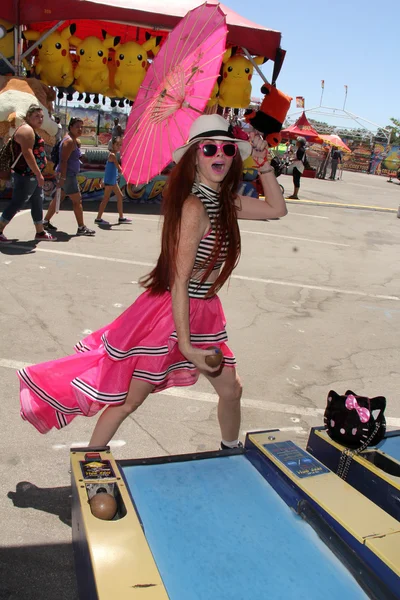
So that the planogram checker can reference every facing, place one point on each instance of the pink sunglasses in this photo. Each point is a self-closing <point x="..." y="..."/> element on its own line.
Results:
<point x="210" y="149"/>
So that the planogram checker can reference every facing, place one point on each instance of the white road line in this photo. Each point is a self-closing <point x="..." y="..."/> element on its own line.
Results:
<point x="309" y="216"/>
<point x="267" y="405"/>
<point x="90" y="256"/>
<point x="321" y="288"/>
<point x="297" y="239"/>
<point x="191" y="394"/>
<point x="298" y="430"/>
<point x="158" y="218"/>
<point x="12" y="364"/>
<point x="112" y="444"/>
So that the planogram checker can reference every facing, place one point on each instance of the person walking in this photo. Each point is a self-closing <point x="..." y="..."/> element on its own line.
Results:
<point x="68" y="168"/>
<point x="336" y="158"/>
<point x="27" y="178"/>
<point x="111" y="184"/>
<point x="163" y="338"/>
<point x="298" y="166"/>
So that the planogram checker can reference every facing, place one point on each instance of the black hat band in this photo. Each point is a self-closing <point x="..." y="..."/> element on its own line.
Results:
<point x="211" y="134"/>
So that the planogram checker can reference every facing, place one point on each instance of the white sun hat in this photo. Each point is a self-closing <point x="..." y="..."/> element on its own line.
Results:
<point x="209" y="127"/>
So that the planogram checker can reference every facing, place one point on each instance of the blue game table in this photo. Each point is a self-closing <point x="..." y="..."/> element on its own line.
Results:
<point x="266" y="522"/>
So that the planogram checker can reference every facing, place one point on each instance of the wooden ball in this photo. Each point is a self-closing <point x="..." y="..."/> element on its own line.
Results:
<point x="103" y="506"/>
<point x="215" y="359"/>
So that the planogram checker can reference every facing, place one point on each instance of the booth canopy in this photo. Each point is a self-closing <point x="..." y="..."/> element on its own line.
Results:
<point x="302" y="128"/>
<point x="150" y="14"/>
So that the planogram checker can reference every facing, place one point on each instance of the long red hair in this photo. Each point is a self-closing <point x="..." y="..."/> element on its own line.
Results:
<point x="178" y="188"/>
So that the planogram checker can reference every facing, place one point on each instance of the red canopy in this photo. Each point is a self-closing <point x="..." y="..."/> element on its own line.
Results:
<point x="302" y="128"/>
<point x="153" y="14"/>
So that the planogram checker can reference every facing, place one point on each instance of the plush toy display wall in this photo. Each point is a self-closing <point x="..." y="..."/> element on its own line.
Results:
<point x="235" y="86"/>
<point x="6" y="45"/>
<point x="91" y="65"/>
<point x="271" y="115"/>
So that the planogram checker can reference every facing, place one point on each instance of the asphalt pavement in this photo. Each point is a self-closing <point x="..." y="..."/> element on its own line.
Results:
<point x="314" y="305"/>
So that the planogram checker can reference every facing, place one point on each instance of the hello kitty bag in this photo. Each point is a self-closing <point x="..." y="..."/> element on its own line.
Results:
<point x="355" y="422"/>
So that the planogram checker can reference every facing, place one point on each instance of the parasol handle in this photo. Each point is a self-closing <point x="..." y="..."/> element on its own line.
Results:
<point x="255" y="65"/>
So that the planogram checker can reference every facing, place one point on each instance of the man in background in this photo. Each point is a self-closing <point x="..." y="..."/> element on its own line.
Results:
<point x="59" y="130"/>
<point x="117" y="129"/>
<point x="336" y="158"/>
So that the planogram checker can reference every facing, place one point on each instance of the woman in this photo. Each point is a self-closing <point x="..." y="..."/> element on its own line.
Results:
<point x="68" y="169"/>
<point x="162" y="339"/>
<point x="111" y="184"/>
<point x="298" y="166"/>
<point x="28" y="181"/>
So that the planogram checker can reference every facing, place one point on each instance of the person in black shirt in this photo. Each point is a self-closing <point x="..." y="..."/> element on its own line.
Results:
<point x="336" y="158"/>
<point x="298" y="166"/>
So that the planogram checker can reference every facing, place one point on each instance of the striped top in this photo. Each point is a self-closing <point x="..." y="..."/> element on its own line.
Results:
<point x="210" y="200"/>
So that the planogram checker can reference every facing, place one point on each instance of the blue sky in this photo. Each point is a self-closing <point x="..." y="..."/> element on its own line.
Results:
<point x="353" y="42"/>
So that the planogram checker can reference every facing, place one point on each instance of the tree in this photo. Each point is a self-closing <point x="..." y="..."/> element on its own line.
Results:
<point x="395" y="131"/>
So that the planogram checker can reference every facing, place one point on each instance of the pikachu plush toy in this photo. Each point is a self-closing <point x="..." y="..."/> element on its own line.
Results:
<point x="131" y="64"/>
<point x="6" y="46"/>
<point x="53" y="63"/>
<point x="92" y="73"/>
<point x="235" y="86"/>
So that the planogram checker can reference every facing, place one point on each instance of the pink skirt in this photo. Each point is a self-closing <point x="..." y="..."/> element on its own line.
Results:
<point x="141" y="344"/>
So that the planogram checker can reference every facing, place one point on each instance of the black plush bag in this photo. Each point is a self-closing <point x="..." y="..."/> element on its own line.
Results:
<point x="353" y="421"/>
<point x="7" y="159"/>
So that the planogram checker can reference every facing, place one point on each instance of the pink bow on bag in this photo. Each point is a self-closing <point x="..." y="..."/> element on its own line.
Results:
<point x="363" y="413"/>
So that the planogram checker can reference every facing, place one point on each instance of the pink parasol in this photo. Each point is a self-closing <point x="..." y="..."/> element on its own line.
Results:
<point x="174" y="93"/>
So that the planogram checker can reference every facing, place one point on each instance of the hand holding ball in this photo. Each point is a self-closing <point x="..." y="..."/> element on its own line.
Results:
<point x="214" y="360"/>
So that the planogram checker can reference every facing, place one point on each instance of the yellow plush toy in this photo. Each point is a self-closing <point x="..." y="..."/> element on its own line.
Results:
<point x="131" y="62"/>
<point x="6" y="45"/>
<point x="214" y="96"/>
<point x="92" y="74"/>
<point x="54" y="64"/>
<point x="235" y="86"/>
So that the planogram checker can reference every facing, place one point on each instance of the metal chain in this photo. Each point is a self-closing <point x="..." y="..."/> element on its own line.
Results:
<point x="347" y="455"/>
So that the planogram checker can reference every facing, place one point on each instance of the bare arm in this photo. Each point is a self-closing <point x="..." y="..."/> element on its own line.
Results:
<point x="193" y="225"/>
<point x="66" y="150"/>
<point x="274" y="205"/>
<point x="114" y="159"/>
<point x="25" y="137"/>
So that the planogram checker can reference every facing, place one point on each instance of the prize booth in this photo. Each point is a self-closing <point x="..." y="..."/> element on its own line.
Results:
<point x="93" y="51"/>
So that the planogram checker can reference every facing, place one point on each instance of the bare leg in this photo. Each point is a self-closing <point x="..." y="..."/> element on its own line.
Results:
<point x="295" y="193"/>
<point x="52" y="207"/>
<point x="107" y="193"/>
<point x="77" y="208"/>
<point x="229" y="389"/>
<point x="112" y="417"/>
<point x="120" y="200"/>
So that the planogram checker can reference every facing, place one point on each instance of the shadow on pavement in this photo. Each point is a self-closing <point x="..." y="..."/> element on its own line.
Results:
<point x="17" y="247"/>
<point x="56" y="501"/>
<point x="38" y="573"/>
